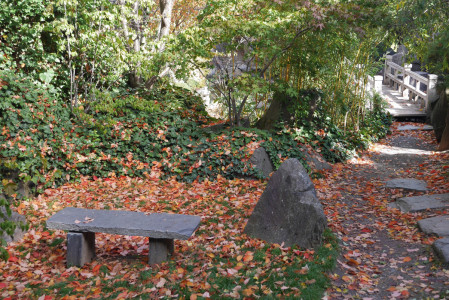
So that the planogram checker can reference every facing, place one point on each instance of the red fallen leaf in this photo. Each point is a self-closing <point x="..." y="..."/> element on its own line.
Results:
<point x="392" y="223"/>
<point x="13" y="259"/>
<point x="96" y="268"/>
<point x="95" y="178"/>
<point x="3" y="285"/>
<point x="352" y="262"/>
<point x="248" y="256"/>
<point x="366" y="230"/>
<point x="405" y="293"/>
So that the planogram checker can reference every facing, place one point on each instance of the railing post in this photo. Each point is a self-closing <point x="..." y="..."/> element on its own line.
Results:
<point x="406" y="90"/>
<point x="378" y="83"/>
<point x="432" y="94"/>
<point x="388" y="58"/>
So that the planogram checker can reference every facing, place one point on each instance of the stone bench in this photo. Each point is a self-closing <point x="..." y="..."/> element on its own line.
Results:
<point x="161" y="228"/>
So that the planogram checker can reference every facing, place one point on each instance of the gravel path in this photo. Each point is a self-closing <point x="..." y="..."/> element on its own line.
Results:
<point x="384" y="256"/>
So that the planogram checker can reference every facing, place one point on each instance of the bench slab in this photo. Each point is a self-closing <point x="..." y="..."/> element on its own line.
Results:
<point x="82" y="224"/>
<point x="154" y="225"/>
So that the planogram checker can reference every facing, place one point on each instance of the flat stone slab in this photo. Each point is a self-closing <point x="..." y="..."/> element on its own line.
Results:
<point x="441" y="248"/>
<point x="414" y="127"/>
<point x="407" y="184"/>
<point x="418" y="203"/>
<point x="154" y="225"/>
<point x="436" y="225"/>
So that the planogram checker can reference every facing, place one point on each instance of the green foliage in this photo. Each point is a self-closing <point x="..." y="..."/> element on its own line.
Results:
<point x="421" y="25"/>
<point x="23" y="35"/>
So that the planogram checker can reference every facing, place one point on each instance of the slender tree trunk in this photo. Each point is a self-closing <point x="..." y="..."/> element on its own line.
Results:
<point x="444" y="143"/>
<point x="166" y="7"/>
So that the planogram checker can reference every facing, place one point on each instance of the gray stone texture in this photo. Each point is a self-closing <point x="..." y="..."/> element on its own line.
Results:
<point x="18" y="220"/>
<point x="407" y="184"/>
<point x="437" y="225"/>
<point x="160" y="250"/>
<point x="17" y="186"/>
<point x="418" y="203"/>
<point x="288" y="211"/>
<point x="155" y="225"/>
<point x="441" y="248"/>
<point x="413" y="127"/>
<point x="261" y="161"/>
<point x="80" y="248"/>
<point x="315" y="161"/>
<point x="438" y="115"/>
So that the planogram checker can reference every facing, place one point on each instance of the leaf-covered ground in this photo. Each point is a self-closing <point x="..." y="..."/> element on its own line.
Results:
<point x="218" y="261"/>
<point x="383" y="255"/>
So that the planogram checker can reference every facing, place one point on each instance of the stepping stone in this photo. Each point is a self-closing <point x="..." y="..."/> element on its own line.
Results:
<point x="407" y="184"/>
<point x="414" y="127"/>
<point x="436" y="225"/>
<point x="418" y="203"/>
<point x="441" y="248"/>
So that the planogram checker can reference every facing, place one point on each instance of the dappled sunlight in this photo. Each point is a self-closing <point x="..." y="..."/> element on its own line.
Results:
<point x="391" y="150"/>
<point x="360" y="161"/>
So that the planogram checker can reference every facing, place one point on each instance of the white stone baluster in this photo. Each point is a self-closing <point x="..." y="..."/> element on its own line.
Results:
<point x="407" y="70"/>
<point x="432" y="94"/>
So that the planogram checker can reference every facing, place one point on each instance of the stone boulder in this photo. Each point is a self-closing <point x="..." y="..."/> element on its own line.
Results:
<point x="314" y="160"/>
<point x="18" y="220"/>
<point x="261" y="161"/>
<point x="439" y="114"/>
<point x="16" y="186"/>
<point x="288" y="211"/>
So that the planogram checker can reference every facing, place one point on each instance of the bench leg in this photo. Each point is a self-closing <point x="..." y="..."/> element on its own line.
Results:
<point x="160" y="249"/>
<point x="80" y="248"/>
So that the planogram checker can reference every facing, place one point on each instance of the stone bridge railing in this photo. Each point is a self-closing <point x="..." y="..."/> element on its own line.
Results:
<point x="417" y="86"/>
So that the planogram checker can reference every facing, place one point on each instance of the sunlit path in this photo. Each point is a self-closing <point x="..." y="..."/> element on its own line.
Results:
<point x="400" y="106"/>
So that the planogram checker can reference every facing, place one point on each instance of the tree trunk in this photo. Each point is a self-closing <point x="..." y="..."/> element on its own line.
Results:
<point x="444" y="143"/>
<point x="166" y="7"/>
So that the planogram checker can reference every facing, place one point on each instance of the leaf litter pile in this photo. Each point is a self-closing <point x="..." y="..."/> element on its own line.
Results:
<point x="383" y="255"/>
<point x="217" y="261"/>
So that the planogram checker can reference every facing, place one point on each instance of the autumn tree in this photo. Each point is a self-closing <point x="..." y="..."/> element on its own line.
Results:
<point x="258" y="49"/>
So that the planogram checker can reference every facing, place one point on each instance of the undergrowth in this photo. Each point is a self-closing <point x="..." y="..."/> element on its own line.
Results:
<point x="161" y="134"/>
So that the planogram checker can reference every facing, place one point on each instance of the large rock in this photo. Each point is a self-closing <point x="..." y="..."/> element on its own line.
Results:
<point x="16" y="186"/>
<point x="261" y="161"/>
<point x="444" y="142"/>
<point x="315" y="161"/>
<point x="18" y="220"/>
<point x="441" y="248"/>
<point x="439" y="114"/>
<point x="288" y="211"/>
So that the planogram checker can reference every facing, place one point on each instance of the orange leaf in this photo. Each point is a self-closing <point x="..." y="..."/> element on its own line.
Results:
<point x="248" y="256"/>
<point x="96" y="268"/>
<point x="352" y="262"/>
<point x="407" y="259"/>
